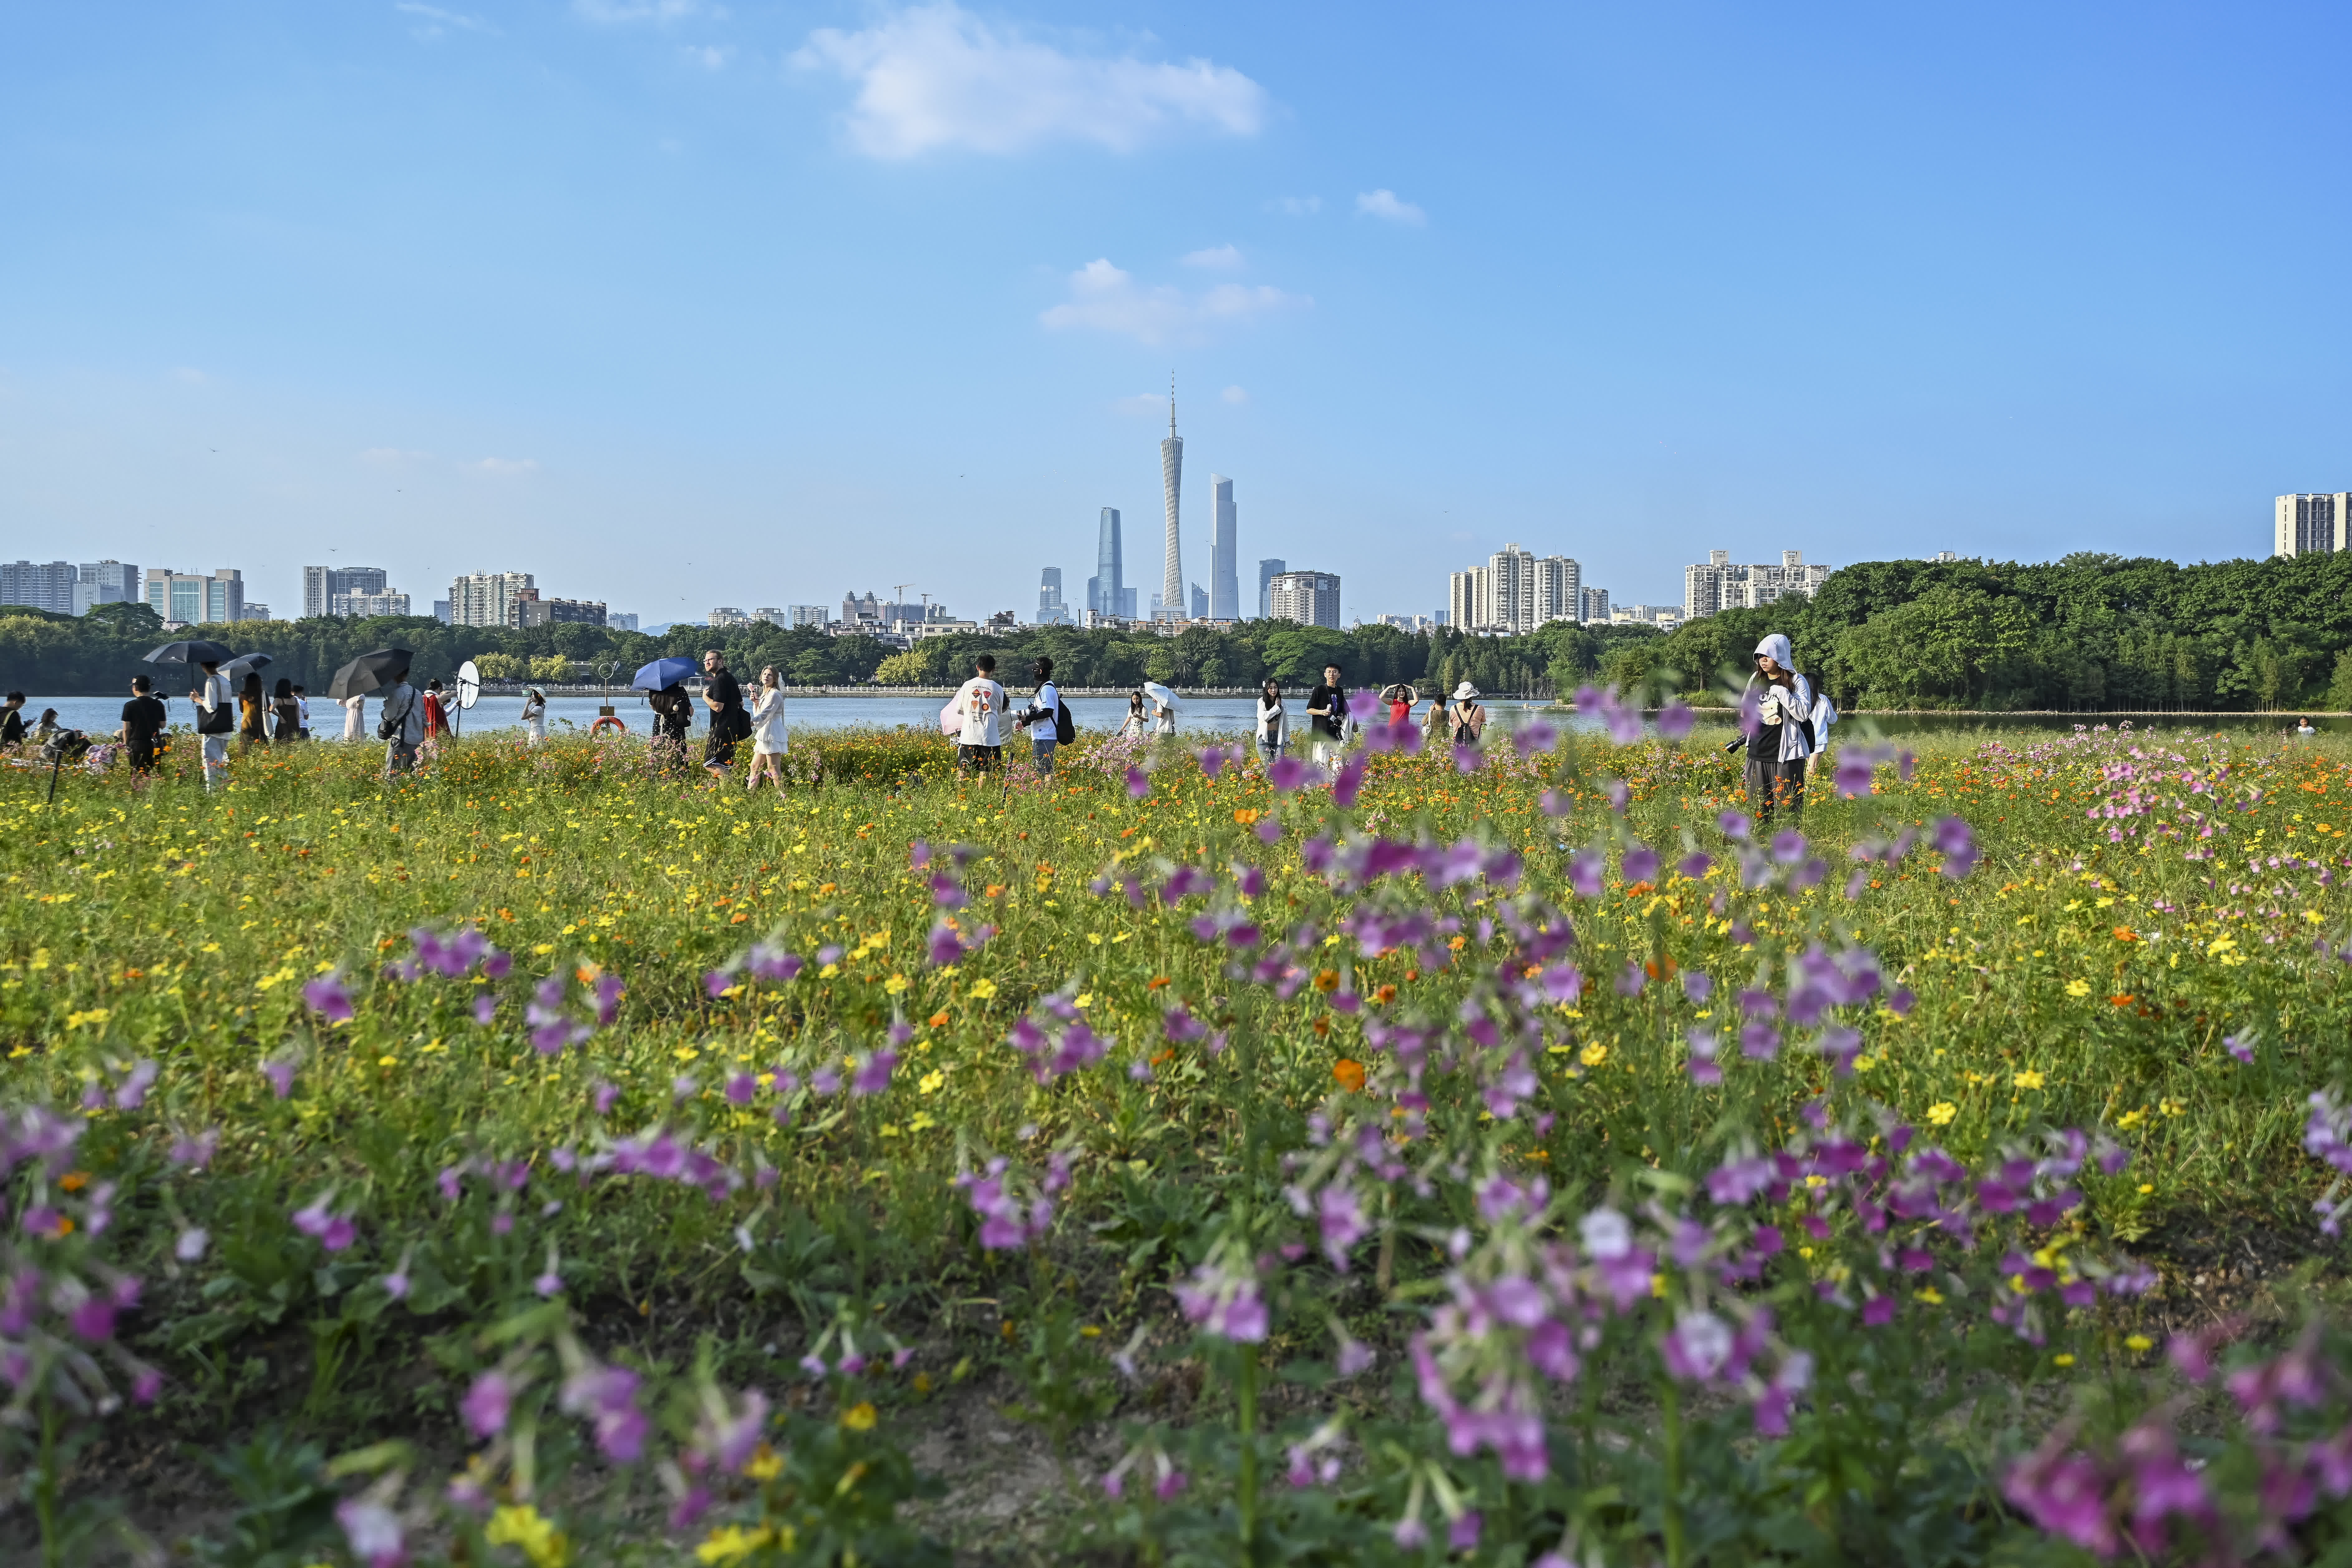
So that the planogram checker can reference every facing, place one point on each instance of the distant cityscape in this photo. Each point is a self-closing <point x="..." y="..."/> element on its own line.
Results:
<point x="1515" y="593"/>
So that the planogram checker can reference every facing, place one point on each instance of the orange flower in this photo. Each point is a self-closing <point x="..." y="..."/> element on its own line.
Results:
<point x="74" y="1181"/>
<point x="1384" y="995"/>
<point x="940" y="1019"/>
<point x="1327" y="981"/>
<point x="2125" y="933"/>
<point x="2123" y="1001"/>
<point x="1156" y="981"/>
<point x="1349" y="1074"/>
<point x="1246" y="816"/>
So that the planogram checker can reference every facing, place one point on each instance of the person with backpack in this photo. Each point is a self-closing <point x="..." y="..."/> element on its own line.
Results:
<point x="286" y="715"/>
<point x="1784" y="736"/>
<point x="1045" y="708"/>
<point x="673" y="718"/>
<point x="1466" y="716"/>
<point x="143" y="726"/>
<point x="253" y="715"/>
<point x="723" y="695"/>
<point x="215" y="719"/>
<point x="401" y="726"/>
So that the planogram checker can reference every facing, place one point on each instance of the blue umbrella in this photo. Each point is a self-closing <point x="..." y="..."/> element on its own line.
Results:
<point x="663" y="672"/>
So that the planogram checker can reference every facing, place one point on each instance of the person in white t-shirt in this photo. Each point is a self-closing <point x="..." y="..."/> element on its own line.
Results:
<point x="981" y="700"/>
<point x="1046" y="710"/>
<point x="211" y="696"/>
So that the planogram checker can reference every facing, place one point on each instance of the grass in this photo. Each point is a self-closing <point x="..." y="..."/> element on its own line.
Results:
<point x="2094" y="970"/>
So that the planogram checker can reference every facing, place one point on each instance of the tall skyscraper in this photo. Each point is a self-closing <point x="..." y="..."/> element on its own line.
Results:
<point x="1049" y="597"/>
<point x="2313" y="524"/>
<point x="1224" y="553"/>
<point x="1171" y="483"/>
<point x="1200" y="602"/>
<point x="1596" y="605"/>
<point x="1105" y="593"/>
<point x="1267" y="571"/>
<point x="1310" y="598"/>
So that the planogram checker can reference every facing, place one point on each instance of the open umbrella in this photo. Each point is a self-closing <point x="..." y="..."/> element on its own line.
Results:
<point x="1159" y="693"/>
<point x="194" y="651"/>
<point x="235" y="669"/>
<point x="951" y="720"/>
<point x="370" y="672"/>
<point x="663" y="672"/>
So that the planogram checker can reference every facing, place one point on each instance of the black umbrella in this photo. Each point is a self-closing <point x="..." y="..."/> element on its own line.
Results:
<point x="237" y="668"/>
<point x="370" y="672"/>
<point x="195" y="651"/>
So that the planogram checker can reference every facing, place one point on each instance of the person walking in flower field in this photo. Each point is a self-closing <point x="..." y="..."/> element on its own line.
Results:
<point x="770" y="741"/>
<point x="1783" y="739"/>
<point x="980" y="702"/>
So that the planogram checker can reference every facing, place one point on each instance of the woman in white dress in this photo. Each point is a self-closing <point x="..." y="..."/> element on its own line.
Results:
<point x="534" y="716"/>
<point x="1273" y="722"/>
<point x="1136" y="722"/>
<point x="769" y="741"/>
<point x="355" y="717"/>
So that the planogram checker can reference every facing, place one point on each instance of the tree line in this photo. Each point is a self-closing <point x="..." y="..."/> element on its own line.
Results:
<point x="2087" y="632"/>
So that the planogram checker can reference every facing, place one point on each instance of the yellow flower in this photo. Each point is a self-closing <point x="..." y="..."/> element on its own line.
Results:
<point x="1929" y="1294"/>
<point x="2026" y="1080"/>
<point x="982" y="990"/>
<point x="519" y="1525"/>
<point x="764" y="1464"/>
<point x="860" y="1417"/>
<point x="1593" y="1055"/>
<point x="2139" y="1342"/>
<point x="2078" y="989"/>
<point x="895" y="985"/>
<point x="930" y="1081"/>
<point x="1941" y="1114"/>
<point x="2062" y="1360"/>
<point x="733" y="1543"/>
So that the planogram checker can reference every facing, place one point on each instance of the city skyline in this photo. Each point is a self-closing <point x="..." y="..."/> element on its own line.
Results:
<point x="241" y="309"/>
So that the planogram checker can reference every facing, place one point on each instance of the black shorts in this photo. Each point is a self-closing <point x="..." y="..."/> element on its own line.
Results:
<point x="979" y="758"/>
<point x="142" y="754"/>
<point x="718" y="753"/>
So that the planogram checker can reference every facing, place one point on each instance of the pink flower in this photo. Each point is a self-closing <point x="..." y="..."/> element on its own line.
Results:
<point x="487" y="1404"/>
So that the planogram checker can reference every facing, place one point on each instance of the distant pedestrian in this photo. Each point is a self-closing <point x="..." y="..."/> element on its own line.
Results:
<point x="1045" y="709"/>
<point x="1163" y="715"/>
<point x="534" y="716"/>
<point x="1400" y="701"/>
<point x="723" y="695"/>
<point x="355" y="717"/>
<point x="980" y="701"/>
<point x="2303" y="727"/>
<point x="1433" y="720"/>
<point x="252" y="714"/>
<point x="437" y="712"/>
<point x="1138" y="722"/>
<point x="401" y="726"/>
<point x="286" y="715"/>
<point x="12" y="721"/>
<point x="143" y="726"/>
<point x="301" y="712"/>
<point x="1273" y="722"/>
<point x="770" y="741"/>
<point x="215" y="718"/>
<point x="673" y="721"/>
<point x="1327" y="716"/>
<point x="1784" y="735"/>
<point x="1466" y="716"/>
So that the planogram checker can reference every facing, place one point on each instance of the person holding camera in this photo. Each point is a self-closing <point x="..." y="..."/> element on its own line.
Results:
<point x="1784" y="739"/>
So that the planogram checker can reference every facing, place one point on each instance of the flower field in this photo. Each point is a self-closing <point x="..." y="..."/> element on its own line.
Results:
<point x="1509" y="1159"/>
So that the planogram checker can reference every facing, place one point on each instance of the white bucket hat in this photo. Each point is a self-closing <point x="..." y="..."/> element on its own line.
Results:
<point x="1464" y="692"/>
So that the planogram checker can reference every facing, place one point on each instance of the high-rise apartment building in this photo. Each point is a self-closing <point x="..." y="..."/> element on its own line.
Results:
<point x="728" y="615"/>
<point x="1172" y="485"/>
<point x="322" y="586"/>
<point x="194" y="598"/>
<point x="617" y="621"/>
<point x="1200" y="602"/>
<point x="1224" y="552"/>
<point x="104" y="582"/>
<point x="358" y="606"/>
<point x="538" y="611"/>
<point x="1466" y="597"/>
<point x="1267" y="571"/>
<point x="1310" y="598"/>
<point x="1596" y="607"/>
<point x="1107" y="589"/>
<point x="1719" y="583"/>
<point x="1515" y="593"/>
<point x="488" y="598"/>
<point x="802" y="615"/>
<point x="2311" y="524"/>
<point x="40" y="585"/>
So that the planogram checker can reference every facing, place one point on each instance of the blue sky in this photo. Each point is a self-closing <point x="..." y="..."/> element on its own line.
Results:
<point x="678" y="304"/>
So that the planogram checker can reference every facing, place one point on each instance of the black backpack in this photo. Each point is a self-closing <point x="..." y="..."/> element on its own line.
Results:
<point x="1065" y="729"/>
<point x="389" y="725"/>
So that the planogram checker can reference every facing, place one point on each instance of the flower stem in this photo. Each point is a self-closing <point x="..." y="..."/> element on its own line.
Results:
<point x="1672" y="1510"/>
<point x="45" y="1493"/>
<point x="1246" y="1419"/>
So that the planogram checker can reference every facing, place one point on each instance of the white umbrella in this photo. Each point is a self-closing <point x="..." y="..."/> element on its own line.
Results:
<point x="951" y="720"/>
<point x="1162" y="695"/>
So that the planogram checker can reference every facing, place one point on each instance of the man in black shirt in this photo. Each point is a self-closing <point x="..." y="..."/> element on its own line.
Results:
<point x="1327" y="716"/>
<point x="729" y="723"/>
<point x="12" y="719"/>
<point x="143" y="723"/>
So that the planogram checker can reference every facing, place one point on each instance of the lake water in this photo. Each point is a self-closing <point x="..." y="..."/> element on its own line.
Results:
<point x="1103" y="715"/>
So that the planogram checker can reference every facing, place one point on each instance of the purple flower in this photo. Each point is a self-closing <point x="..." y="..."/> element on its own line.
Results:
<point x="2063" y="1493"/>
<point x="1287" y="773"/>
<point x="1462" y="1535"/>
<point x="1351" y="780"/>
<point x="1212" y="762"/>
<point x="328" y="997"/>
<point x="1788" y="846"/>
<point x="609" y="1395"/>
<point x="93" y="1320"/>
<point x="196" y="1150"/>
<point x="1735" y="824"/>
<point x="1585" y="870"/>
<point x="918" y="854"/>
<point x="190" y="1244"/>
<point x="2241" y="1049"/>
<point x="1958" y="843"/>
<point x="131" y="1092"/>
<point x="485" y="1007"/>
<point x="1676" y="720"/>
<point x="279" y="1071"/>
<point x="332" y="1231"/>
<point x="1139" y="783"/>
<point x="874" y="1072"/>
<point x="1224" y="1301"/>
<point x="715" y="983"/>
<point x="486" y="1404"/>
<point x="373" y="1533"/>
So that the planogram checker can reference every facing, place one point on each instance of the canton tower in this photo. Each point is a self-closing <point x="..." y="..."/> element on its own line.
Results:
<point x="1171" y="480"/>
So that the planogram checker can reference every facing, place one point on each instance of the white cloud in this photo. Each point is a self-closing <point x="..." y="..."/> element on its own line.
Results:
<point x="710" y="57"/>
<point x="1223" y="258"/>
<point x="1106" y="299"/>
<point x="435" y="22"/>
<point x="1151" y="403"/>
<point x="507" y="467"/>
<point x="1296" y="206"/>
<point x="1384" y="203"/>
<point x="937" y="76"/>
<point x="660" y="12"/>
<point x="393" y="457"/>
<point x="1234" y="395"/>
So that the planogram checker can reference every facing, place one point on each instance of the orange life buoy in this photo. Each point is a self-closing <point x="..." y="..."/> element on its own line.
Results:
<point x="598" y="727"/>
